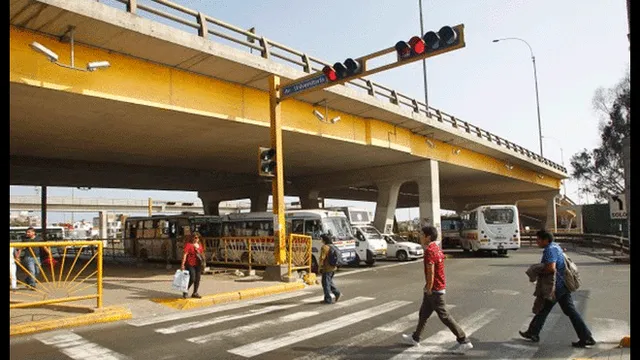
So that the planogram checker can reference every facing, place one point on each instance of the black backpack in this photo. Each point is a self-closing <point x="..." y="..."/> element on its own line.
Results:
<point x="334" y="258"/>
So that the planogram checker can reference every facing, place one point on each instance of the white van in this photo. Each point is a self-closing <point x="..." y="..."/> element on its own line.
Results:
<point x="370" y="245"/>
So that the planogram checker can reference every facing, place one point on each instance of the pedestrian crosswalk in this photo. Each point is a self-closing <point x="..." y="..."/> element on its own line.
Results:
<point x="297" y="326"/>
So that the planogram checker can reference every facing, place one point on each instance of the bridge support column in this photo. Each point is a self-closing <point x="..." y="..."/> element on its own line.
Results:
<point x="210" y="204"/>
<point x="551" y="223"/>
<point x="259" y="201"/>
<point x="103" y="224"/>
<point x="429" y="195"/>
<point x="386" y="205"/>
<point x="309" y="199"/>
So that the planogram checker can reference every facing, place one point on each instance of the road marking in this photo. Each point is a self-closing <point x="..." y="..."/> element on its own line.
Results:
<point x="377" y="267"/>
<point x="77" y="347"/>
<point x="505" y="292"/>
<point x="214" y="309"/>
<point x="219" y="335"/>
<point x="440" y="341"/>
<point x="277" y="342"/>
<point x="609" y="330"/>
<point x="521" y="348"/>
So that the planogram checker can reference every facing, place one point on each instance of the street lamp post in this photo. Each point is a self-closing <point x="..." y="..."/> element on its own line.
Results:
<point x="564" y="185"/>
<point x="535" y="78"/>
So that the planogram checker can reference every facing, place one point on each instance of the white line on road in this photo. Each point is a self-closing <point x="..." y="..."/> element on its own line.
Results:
<point x="219" y="335"/>
<point x="77" y="347"/>
<point x="214" y="309"/>
<point x="377" y="267"/>
<point x="440" y="341"/>
<point x="277" y="342"/>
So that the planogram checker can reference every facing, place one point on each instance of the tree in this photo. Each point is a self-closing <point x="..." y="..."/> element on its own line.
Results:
<point x="601" y="171"/>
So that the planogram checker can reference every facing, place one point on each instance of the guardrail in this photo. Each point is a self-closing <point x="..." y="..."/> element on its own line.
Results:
<point x="615" y="243"/>
<point x="53" y="289"/>
<point x="269" y="49"/>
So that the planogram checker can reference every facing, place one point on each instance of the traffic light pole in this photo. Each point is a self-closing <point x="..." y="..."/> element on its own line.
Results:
<point x="277" y="183"/>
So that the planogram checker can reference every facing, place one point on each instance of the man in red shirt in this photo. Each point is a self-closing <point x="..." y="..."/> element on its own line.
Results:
<point x="434" y="292"/>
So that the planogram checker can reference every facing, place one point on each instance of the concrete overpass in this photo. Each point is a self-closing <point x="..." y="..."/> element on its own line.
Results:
<point x="180" y="110"/>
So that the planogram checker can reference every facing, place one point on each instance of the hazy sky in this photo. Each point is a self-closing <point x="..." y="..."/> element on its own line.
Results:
<point x="578" y="45"/>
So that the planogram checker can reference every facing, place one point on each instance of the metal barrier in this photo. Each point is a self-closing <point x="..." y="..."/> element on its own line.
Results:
<point x="268" y="49"/>
<point x="615" y="243"/>
<point x="258" y="251"/>
<point x="48" y="289"/>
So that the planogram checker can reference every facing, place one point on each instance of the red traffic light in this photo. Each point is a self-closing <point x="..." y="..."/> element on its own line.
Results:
<point x="330" y="73"/>
<point x="417" y="45"/>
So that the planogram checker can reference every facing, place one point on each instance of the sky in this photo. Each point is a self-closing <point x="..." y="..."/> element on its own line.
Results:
<point x="578" y="47"/>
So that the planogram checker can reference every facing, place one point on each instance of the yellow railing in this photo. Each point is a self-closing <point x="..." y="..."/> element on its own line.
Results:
<point x="258" y="251"/>
<point x="54" y="289"/>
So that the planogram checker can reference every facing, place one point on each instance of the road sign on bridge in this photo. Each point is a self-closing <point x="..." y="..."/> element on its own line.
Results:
<point x="618" y="206"/>
<point x="307" y="83"/>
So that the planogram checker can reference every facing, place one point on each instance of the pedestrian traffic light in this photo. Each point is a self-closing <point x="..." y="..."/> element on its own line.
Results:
<point x="446" y="39"/>
<point x="340" y="71"/>
<point x="266" y="161"/>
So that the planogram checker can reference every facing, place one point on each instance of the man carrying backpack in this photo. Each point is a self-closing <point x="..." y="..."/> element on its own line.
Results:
<point x="554" y="261"/>
<point x="329" y="256"/>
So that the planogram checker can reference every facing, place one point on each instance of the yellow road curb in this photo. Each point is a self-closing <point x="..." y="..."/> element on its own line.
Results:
<point x="107" y="314"/>
<point x="208" y="300"/>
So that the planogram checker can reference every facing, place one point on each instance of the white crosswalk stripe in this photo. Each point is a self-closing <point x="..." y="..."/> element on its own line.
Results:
<point x="273" y="323"/>
<point x="293" y="337"/>
<point x="78" y="348"/>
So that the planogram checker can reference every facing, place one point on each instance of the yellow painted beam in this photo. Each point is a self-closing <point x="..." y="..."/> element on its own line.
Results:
<point x="141" y="82"/>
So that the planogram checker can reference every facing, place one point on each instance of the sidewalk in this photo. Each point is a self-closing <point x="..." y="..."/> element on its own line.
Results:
<point x="131" y="290"/>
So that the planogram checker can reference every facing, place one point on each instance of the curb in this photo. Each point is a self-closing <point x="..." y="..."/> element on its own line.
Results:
<point x="208" y="300"/>
<point x="107" y="314"/>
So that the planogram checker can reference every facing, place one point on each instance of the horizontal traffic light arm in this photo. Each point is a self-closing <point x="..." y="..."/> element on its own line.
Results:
<point x="318" y="80"/>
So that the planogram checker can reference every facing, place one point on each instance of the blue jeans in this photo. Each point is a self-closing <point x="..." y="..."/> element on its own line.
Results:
<point x="328" y="287"/>
<point x="563" y="297"/>
<point x="32" y="265"/>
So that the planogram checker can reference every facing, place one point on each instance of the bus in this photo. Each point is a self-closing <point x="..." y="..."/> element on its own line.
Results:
<point x="54" y="233"/>
<point x="162" y="237"/>
<point x="313" y="222"/>
<point x="371" y="245"/>
<point x="491" y="228"/>
<point x="451" y="228"/>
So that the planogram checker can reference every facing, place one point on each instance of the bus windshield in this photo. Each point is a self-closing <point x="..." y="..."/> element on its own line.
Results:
<point x="338" y="227"/>
<point x="493" y="216"/>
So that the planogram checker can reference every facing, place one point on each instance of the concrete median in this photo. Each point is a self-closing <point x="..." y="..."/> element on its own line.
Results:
<point x="107" y="314"/>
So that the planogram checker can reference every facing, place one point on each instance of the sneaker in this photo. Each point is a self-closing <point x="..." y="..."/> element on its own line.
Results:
<point x="582" y="344"/>
<point x="337" y="297"/>
<point x="526" y="335"/>
<point x="324" y="302"/>
<point x="408" y="339"/>
<point x="184" y="295"/>
<point x="196" y="296"/>
<point x="461" y="348"/>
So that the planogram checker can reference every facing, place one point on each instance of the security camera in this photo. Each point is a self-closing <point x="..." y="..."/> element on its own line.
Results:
<point x="53" y="57"/>
<point x="93" y="66"/>
<point x="335" y="119"/>
<point x="318" y="114"/>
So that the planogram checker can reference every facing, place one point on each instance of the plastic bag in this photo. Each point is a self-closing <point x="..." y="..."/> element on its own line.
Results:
<point x="181" y="281"/>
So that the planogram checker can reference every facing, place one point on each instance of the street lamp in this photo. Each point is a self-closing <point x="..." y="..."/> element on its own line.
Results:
<point x="561" y="160"/>
<point x="535" y="78"/>
<point x="53" y="57"/>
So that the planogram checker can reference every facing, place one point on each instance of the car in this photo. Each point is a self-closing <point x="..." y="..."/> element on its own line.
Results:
<point x="401" y="249"/>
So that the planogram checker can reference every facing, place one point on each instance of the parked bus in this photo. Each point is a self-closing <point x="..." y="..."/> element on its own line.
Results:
<point x="54" y="233"/>
<point x="162" y="237"/>
<point x="491" y="228"/>
<point x="313" y="222"/>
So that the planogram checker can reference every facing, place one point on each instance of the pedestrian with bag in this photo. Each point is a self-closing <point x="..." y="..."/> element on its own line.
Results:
<point x="329" y="255"/>
<point x="434" y="293"/>
<point x="553" y="259"/>
<point x="193" y="261"/>
<point x="31" y="258"/>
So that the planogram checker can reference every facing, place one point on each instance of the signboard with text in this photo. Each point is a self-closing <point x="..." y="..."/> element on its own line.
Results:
<point x="618" y="206"/>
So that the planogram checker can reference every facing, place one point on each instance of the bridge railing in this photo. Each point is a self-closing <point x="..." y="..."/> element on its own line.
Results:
<point x="269" y="49"/>
<point x="62" y="277"/>
<point x="617" y="244"/>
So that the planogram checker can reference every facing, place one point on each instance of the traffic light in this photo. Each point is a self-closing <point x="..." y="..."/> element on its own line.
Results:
<point x="340" y="71"/>
<point x="266" y="161"/>
<point x="446" y="37"/>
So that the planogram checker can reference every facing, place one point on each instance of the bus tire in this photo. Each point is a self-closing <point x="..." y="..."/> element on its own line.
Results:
<point x="402" y="255"/>
<point x="143" y="254"/>
<point x="370" y="262"/>
<point x="244" y="258"/>
<point x="314" y="265"/>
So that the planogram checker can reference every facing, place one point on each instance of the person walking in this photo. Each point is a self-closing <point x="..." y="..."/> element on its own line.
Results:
<point x="193" y="261"/>
<point x="434" y="293"/>
<point x="328" y="270"/>
<point x="553" y="261"/>
<point x="32" y="259"/>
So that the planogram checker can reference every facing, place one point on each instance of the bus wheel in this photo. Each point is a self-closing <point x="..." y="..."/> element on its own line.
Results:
<point x="244" y="258"/>
<point x="314" y="265"/>
<point x="402" y="256"/>
<point x="370" y="262"/>
<point x="502" y="252"/>
<point x="143" y="254"/>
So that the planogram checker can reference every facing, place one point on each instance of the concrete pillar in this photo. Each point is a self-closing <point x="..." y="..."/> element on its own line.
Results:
<point x="309" y="199"/>
<point x="259" y="201"/>
<point x="103" y="224"/>
<point x="429" y="195"/>
<point x="551" y="222"/>
<point x="578" y="210"/>
<point x="386" y="205"/>
<point x="210" y="204"/>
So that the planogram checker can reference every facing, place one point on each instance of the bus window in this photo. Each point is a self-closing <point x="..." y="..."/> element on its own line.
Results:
<point x="498" y="216"/>
<point x="298" y="226"/>
<point x="313" y="228"/>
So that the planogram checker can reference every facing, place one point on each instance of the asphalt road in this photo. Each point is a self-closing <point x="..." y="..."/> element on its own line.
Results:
<point x="490" y="297"/>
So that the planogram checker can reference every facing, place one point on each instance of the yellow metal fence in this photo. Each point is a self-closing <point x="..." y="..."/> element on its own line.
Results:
<point x="56" y="281"/>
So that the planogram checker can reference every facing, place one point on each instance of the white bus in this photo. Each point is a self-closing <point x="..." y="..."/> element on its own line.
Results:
<point x="371" y="245"/>
<point x="54" y="233"/>
<point x="491" y="228"/>
<point x="313" y="222"/>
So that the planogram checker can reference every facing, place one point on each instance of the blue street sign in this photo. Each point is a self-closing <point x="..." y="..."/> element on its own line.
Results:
<point x="304" y="85"/>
